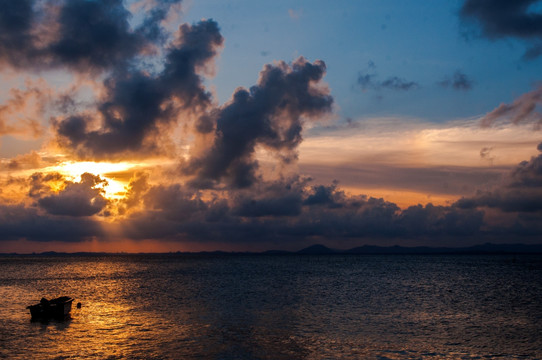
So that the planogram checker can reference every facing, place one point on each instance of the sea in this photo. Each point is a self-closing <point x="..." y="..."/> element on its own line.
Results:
<point x="222" y="306"/>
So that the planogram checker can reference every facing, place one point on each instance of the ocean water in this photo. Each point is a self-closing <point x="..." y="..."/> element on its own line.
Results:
<point x="275" y="307"/>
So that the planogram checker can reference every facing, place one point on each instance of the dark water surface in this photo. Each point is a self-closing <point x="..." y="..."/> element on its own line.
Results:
<point x="275" y="307"/>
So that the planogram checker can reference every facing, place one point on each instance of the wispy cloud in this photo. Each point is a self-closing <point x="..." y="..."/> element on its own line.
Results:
<point x="458" y="81"/>
<point x="295" y="14"/>
<point x="370" y="80"/>
<point x="524" y="109"/>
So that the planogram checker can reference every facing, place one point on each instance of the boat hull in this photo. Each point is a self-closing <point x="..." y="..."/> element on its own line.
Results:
<point x="58" y="308"/>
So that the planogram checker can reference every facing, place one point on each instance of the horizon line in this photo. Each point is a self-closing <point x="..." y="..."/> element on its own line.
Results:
<point x="319" y="249"/>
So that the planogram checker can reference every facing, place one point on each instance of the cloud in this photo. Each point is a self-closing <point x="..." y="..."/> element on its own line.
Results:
<point x="280" y="198"/>
<point x="156" y="15"/>
<point x="520" y="191"/>
<point x="458" y="81"/>
<point x="82" y="35"/>
<point x="16" y="40"/>
<point x="137" y="104"/>
<point x="289" y="211"/>
<point x="94" y="34"/>
<point x="502" y="18"/>
<point x="524" y="109"/>
<point x="295" y="14"/>
<point x="485" y="153"/>
<point x="20" y="222"/>
<point x="22" y="114"/>
<point x="366" y="81"/>
<point x="396" y="83"/>
<point x="138" y="186"/>
<point x="31" y="160"/>
<point x="369" y="80"/>
<point x="85" y="198"/>
<point x="285" y="211"/>
<point x="53" y="209"/>
<point x="270" y="114"/>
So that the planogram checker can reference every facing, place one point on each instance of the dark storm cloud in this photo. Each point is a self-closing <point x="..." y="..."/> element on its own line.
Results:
<point x="459" y="81"/>
<point x="504" y="18"/>
<point x="270" y="114"/>
<point x="282" y="211"/>
<point x="94" y="34"/>
<point x="520" y="192"/>
<point x="198" y="44"/>
<point x="279" y="198"/>
<point x="87" y="35"/>
<point x="289" y="210"/>
<point x="151" y="27"/>
<point x="175" y="201"/>
<point x="528" y="173"/>
<point x="523" y="109"/>
<point x="284" y="205"/>
<point x="20" y="222"/>
<point x="500" y="18"/>
<point x="324" y="195"/>
<point x="137" y="103"/>
<point x="16" y="43"/>
<point x="64" y="215"/>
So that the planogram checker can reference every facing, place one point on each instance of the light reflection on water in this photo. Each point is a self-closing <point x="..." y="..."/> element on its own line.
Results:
<point x="275" y="307"/>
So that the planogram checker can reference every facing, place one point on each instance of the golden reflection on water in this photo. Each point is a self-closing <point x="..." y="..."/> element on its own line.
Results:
<point x="110" y="322"/>
<point x="272" y="308"/>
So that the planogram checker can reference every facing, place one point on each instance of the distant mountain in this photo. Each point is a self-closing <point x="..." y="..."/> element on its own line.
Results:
<point x="505" y="248"/>
<point x="477" y="249"/>
<point x="317" y="250"/>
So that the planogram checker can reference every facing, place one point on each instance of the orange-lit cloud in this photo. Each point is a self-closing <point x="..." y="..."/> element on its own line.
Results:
<point x="426" y="161"/>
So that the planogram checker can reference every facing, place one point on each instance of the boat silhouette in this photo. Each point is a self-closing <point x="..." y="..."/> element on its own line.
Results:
<point x="58" y="308"/>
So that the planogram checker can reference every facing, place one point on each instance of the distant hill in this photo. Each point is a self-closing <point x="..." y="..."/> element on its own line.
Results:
<point x="477" y="249"/>
<point x="319" y="249"/>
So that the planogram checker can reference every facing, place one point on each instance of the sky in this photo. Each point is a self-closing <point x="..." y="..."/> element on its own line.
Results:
<point x="177" y="125"/>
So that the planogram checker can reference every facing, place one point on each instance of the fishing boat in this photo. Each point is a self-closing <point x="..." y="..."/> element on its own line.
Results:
<point x="58" y="308"/>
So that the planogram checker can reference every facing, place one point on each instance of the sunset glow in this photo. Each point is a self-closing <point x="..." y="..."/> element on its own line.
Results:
<point x="114" y="189"/>
<point x="201" y="126"/>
